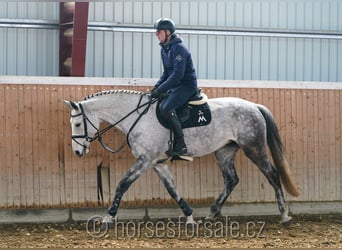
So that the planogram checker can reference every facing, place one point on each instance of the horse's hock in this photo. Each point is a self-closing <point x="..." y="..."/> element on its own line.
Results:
<point x="39" y="169"/>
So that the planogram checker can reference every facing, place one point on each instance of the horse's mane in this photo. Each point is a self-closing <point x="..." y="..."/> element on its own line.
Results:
<point x="113" y="91"/>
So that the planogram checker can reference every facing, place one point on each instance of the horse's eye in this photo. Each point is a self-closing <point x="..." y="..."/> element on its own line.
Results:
<point x="77" y="125"/>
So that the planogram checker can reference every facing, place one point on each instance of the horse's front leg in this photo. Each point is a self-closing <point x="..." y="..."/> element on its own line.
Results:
<point x="138" y="168"/>
<point x="166" y="177"/>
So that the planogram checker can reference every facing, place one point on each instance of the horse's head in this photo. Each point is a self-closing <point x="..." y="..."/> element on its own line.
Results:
<point x="83" y="129"/>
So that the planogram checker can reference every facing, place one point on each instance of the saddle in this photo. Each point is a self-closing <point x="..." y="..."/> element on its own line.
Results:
<point x="194" y="113"/>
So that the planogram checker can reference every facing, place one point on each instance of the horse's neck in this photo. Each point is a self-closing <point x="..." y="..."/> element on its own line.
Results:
<point x="114" y="107"/>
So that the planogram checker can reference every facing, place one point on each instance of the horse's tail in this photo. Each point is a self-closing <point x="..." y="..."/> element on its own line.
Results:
<point x="277" y="152"/>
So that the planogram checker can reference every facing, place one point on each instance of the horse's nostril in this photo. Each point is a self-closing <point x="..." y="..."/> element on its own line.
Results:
<point x="78" y="153"/>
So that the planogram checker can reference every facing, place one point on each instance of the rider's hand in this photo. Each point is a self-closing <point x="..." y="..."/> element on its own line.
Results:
<point x="155" y="93"/>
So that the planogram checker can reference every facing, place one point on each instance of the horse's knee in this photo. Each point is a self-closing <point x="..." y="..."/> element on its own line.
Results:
<point x="235" y="181"/>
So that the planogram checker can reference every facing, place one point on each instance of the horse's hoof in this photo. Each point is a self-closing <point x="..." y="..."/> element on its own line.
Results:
<point x="213" y="216"/>
<point x="287" y="222"/>
<point x="209" y="218"/>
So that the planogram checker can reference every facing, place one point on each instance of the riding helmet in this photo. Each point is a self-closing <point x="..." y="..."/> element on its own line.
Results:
<point x="165" y="24"/>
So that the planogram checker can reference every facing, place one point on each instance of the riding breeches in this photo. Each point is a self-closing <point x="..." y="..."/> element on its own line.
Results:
<point x="177" y="98"/>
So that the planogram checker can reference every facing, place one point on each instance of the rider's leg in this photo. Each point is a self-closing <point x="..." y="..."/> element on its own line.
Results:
<point x="179" y="146"/>
<point x="176" y="99"/>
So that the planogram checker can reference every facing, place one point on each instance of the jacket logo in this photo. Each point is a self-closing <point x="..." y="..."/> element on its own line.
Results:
<point x="179" y="58"/>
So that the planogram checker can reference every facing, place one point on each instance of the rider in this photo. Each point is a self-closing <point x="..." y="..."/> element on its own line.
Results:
<point x="178" y="79"/>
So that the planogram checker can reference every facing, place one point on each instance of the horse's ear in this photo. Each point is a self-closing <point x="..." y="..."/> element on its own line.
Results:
<point x="71" y="104"/>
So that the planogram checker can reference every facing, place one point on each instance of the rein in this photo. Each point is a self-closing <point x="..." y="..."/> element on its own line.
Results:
<point x="99" y="133"/>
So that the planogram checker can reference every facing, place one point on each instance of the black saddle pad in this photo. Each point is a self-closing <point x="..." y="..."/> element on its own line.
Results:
<point x="189" y="115"/>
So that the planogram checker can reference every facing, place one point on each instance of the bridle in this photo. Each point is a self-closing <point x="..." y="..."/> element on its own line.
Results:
<point x="85" y="136"/>
<point x="99" y="133"/>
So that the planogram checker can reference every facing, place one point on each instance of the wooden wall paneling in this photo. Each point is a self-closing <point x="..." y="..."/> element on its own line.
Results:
<point x="297" y="168"/>
<point x="40" y="169"/>
<point x="310" y="144"/>
<point x="316" y="184"/>
<point x="329" y="144"/>
<point x="338" y="147"/>
<point x="193" y="180"/>
<point x="28" y="145"/>
<point x="71" y="182"/>
<point x="8" y="149"/>
<point x="292" y="124"/>
<point x="69" y="157"/>
<point x="14" y="141"/>
<point x="35" y="135"/>
<point x="203" y="186"/>
<point x="43" y="178"/>
<point x="331" y="154"/>
<point x="53" y="141"/>
<point x="327" y="163"/>
<point x="21" y="147"/>
<point x="325" y="141"/>
<point x="62" y="124"/>
<point x="3" y="147"/>
<point x="334" y="143"/>
<point x="303" y="184"/>
<point x="197" y="185"/>
<point x="48" y="164"/>
<point x="320" y="153"/>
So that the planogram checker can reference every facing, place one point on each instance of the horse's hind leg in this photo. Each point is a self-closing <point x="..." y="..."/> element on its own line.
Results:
<point x="166" y="177"/>
<point x="225" y="157"/>
<point x="259" y="157"/>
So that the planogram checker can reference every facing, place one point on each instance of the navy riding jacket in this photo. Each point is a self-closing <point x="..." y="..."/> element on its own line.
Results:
<point x="178" y="66"/>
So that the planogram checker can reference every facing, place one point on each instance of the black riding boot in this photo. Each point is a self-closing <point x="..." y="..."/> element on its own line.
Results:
<point x="179" y="147"/>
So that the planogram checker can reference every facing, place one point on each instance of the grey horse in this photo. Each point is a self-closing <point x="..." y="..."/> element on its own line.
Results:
<point x="236" y="124"/>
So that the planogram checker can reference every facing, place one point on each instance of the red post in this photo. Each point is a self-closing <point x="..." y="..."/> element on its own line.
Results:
<point x="73" y="26"/>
